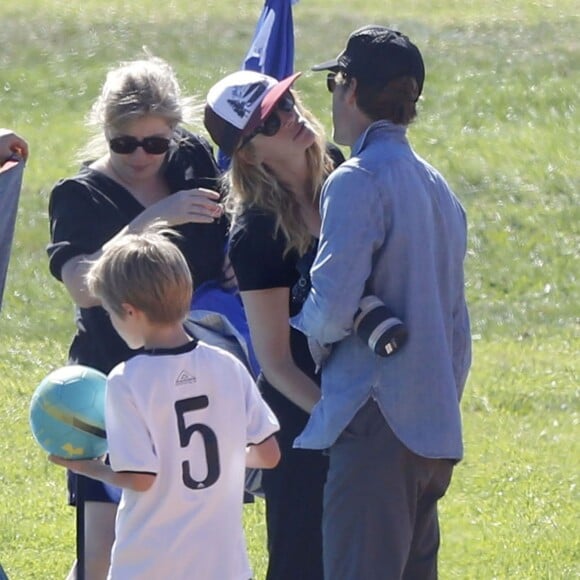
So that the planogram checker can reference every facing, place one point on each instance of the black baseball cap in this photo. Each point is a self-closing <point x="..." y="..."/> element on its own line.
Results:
<point x="376" y="55"/>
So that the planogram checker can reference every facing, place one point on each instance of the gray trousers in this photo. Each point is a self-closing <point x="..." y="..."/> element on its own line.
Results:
<point x="380" y="505"/>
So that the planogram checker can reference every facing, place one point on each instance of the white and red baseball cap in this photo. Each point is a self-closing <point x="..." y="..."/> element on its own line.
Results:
<point x="239" y="103"/>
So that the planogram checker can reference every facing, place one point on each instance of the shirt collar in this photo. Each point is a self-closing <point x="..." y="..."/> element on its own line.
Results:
<point x="382" y="127"/>
<point x="188" y="346"/>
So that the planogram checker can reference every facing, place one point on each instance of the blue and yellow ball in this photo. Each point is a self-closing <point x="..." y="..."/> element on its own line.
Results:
<point x="67" y="413"/>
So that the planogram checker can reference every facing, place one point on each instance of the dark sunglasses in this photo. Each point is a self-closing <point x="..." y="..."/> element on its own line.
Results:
<point x="272" y="123"/>
<point x="127" y="144"/>
<point x="331" y="80"/>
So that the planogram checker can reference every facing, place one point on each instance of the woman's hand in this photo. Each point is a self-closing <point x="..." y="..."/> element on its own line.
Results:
<point x="12" y="144"/>
<point x="187" y="206"/>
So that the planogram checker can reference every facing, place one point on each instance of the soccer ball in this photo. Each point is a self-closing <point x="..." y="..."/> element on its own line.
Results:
<point x="67" y="413"/>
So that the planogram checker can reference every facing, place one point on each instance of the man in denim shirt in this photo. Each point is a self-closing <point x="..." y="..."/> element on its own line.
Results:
<point x="392" y="227"/>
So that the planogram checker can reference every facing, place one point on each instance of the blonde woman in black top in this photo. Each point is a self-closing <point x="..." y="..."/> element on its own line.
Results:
<point x="279" y="163"/>
<point x="143" y="166"/>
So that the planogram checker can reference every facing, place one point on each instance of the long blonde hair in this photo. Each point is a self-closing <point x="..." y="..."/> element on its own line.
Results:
<point x="250" y="183"/>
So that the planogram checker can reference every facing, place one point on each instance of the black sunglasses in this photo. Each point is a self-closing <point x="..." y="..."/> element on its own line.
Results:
<point x="331" y="80"/>
<point x="272" y="123"/>
<point x="127" y="144"/>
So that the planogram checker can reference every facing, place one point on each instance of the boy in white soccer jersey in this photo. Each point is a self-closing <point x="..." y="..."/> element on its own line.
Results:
<point x="183" y="421"/>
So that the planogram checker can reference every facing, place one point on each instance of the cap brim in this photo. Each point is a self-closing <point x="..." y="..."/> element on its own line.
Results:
<point x="332" y="65"/>
<point x="269" y="103"/>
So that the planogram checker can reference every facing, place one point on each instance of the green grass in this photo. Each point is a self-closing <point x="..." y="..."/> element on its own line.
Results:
<point x="499" y="117"/>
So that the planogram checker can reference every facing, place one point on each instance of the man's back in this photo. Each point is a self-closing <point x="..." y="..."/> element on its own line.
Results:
<point x="406" y="236"/>
<point x="186" y="415"/>
<point x="418" y="271"/>
<point x="390" y="227"/>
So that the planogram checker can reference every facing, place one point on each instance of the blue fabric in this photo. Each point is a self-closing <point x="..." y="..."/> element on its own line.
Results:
<point x="10" y="184"/>
<point x="212" y="297"/>
<point x="397" y="229"/>
<point x="272" y="48"/>
<point x="113" y="492"/>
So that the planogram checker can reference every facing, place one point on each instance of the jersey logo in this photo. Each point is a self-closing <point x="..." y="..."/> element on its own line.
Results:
<point x="184" y="378"/>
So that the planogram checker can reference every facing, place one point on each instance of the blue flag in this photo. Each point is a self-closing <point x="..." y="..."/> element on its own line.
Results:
<point x="272" y="48"/>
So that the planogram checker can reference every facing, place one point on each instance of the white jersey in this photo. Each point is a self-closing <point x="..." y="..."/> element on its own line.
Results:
<point x="185" y="415"/>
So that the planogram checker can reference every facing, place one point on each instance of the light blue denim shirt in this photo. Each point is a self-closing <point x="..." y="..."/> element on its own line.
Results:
<point x="391" y="224"/>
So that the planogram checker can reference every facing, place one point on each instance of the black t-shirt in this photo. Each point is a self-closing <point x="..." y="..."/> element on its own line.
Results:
<point x="88" y="209"/>
<point x="257" y="254"/>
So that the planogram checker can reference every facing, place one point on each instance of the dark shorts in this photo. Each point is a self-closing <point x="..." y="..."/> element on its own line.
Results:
<point x="90" y="490"/>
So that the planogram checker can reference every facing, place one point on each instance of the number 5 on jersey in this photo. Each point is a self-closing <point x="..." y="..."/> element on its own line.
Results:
<point x="209" y="439"/>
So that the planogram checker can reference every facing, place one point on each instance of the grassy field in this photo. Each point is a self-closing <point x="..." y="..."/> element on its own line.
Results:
<point x="499" y="117"/>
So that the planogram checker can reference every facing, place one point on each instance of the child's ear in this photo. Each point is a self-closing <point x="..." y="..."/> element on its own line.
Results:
<point x="131" y="311"/>
<point x="128" y="309"/>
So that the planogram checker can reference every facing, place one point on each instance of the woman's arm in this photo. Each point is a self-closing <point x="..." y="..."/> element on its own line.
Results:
<point x="191" y="206"/>
<point x="96" y="469"/>
<point x="74" y="278"/>
<point x="267" y="313"/>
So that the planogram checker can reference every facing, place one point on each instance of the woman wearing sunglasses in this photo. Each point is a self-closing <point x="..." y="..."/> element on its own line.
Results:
<point x="279" y="161"/>
<point x="143" y="167"/>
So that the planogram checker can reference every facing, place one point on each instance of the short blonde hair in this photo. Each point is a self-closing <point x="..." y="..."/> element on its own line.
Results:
<point x="133" y="90"/>
<point x="146" y="270"/>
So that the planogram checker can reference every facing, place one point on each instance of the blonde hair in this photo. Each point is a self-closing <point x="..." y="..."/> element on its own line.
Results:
<point x="250" y="183"/>
<point x="134" y="90"/>
<point x="146" y="270"/>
